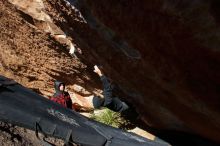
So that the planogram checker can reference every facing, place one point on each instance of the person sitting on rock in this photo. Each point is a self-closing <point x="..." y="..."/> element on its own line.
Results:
<point x="61" y="96"/>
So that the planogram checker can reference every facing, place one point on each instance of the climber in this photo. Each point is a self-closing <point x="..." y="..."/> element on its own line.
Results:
<point x="113" y="103"/>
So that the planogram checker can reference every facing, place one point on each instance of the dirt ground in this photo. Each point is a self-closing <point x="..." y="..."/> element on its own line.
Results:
<point x="16" y="136"/>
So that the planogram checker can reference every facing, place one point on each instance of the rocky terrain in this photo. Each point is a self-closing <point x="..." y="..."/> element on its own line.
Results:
<point x="163" y="54"/>
<point x="34" y="59"/>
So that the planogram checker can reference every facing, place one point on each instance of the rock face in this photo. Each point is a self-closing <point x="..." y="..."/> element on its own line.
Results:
<point x="175" y="85"/>
<point x="163" y="54"/>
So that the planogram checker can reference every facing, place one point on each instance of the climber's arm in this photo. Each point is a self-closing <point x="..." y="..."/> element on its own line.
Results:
<point x="107" y="91"/>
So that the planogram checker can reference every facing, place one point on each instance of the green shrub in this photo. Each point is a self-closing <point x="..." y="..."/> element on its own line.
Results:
<point x="111" y="118"/>
<point x="108" y="117"/>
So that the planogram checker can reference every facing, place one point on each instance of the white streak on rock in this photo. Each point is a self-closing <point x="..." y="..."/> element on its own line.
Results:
<point x="72" y="49"/>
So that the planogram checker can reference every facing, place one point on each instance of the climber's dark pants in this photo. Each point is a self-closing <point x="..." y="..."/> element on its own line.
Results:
<point x="109" y="101"/>
<point x="113" y="103"/>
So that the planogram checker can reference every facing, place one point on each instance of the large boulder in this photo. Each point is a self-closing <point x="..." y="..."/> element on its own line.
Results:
<point x="165" y="54"/>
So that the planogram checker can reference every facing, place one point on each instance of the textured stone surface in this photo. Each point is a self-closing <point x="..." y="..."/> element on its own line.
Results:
<point x="163" y="53"/>
<point x="175" y="84"/>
